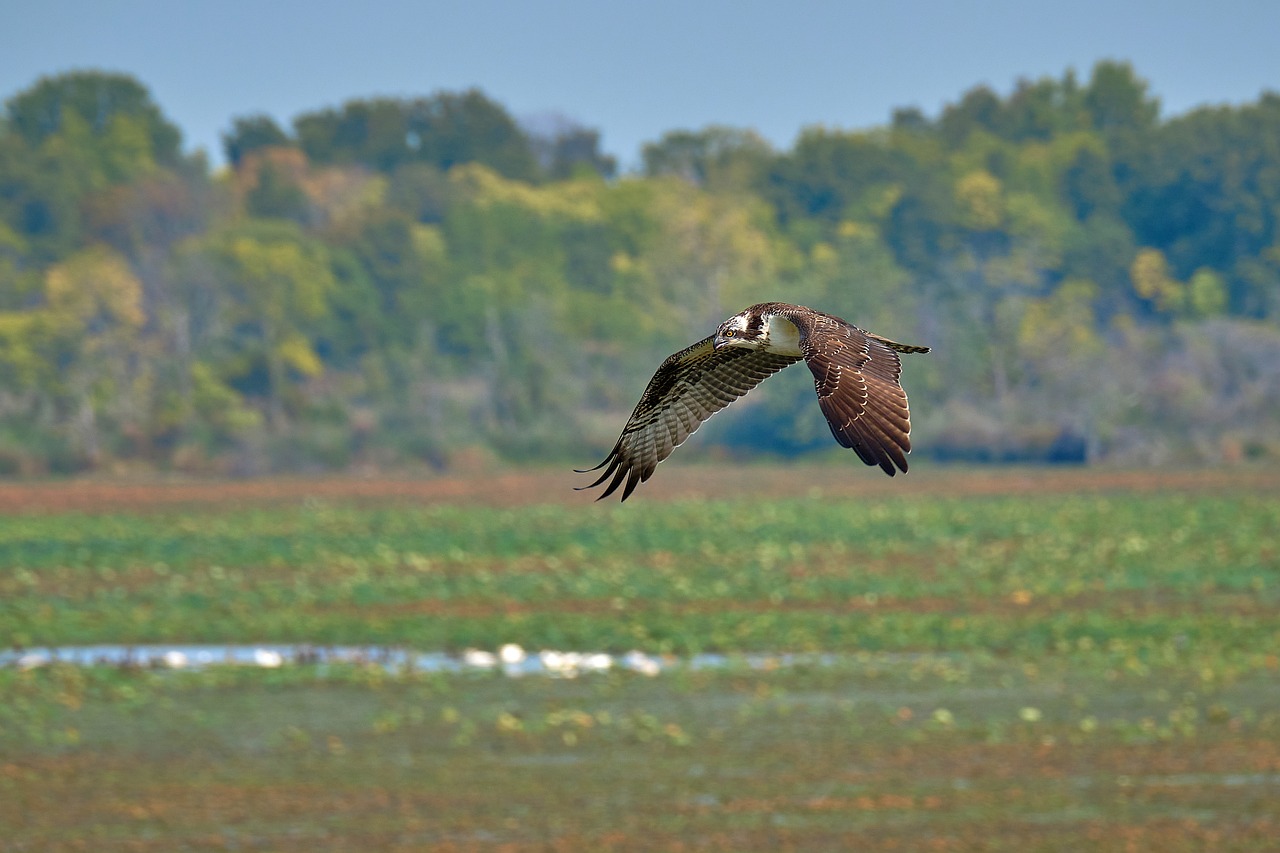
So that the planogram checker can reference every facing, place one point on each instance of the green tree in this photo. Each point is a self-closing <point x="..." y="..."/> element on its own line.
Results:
<point x="420" y="191"/>
<point x="108" y="105"/>
<point x="93" y="305"/>
<point x="1206" y="293"/>
<point x="276" y="194"/>
<point x="716" y="157"/>
<point x="39" y="200"/>
<point x="445" y="130"/>
<point x="251" y="133"/>
<point x="828" y="171"/>
<point x="1153" y="281"/>
<point x="1089" y="183"/>
<point x="19" y="282"/>
<point x="67" y="137"/>
<point x="402" y="266"/>
<point x="273" y="286"/>
<point x="1117" y="100"/>
<point x="565" y="149"/>
<point x="979" y="110"/>
<point x="1208" y="193"/>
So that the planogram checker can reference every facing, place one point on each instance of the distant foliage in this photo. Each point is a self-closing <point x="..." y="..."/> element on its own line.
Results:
<point x="444" y="130"/>
<point x="427" y="280"/>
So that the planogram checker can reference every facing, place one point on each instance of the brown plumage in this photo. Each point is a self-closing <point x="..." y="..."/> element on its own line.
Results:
<point x="856" y="375"/>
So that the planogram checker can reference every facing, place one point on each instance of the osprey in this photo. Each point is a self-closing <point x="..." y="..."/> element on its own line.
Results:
<point x="855" y="374"/>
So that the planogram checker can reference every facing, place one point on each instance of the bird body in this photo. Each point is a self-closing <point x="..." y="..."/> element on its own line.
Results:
<point x="856" y="376"/>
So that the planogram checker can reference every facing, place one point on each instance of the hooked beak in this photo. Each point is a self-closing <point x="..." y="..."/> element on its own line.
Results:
<point x="720" y="342"/>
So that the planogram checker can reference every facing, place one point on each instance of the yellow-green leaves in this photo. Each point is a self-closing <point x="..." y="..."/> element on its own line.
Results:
<point x="979" y="195"/>
<point x="94" y="291"/>
<point x="273" y="285"/>
<point x="1153" y="281"/>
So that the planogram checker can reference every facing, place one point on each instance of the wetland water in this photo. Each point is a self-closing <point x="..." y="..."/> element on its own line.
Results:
<point x="510" y="659"/>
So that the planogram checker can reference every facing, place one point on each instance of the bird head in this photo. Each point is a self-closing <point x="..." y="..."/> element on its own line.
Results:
<point x="741" y="330"/>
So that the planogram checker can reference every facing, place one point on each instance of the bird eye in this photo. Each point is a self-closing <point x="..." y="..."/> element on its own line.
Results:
<point x="729" y="333"/>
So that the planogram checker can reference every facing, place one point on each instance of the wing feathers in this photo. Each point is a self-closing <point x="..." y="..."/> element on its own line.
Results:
<point x="689" y="387"/>
<point x="856" y="376"/>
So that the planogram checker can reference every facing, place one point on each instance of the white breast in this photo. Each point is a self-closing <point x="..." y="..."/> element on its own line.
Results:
<point x="782" y="335"/>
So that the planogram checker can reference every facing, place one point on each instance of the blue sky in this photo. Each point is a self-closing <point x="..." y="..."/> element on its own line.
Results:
<point x="634" y="70"/>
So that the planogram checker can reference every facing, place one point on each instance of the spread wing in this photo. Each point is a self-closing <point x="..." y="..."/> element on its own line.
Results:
<point x="689" y="387"/>
<point x="856" y="375"/>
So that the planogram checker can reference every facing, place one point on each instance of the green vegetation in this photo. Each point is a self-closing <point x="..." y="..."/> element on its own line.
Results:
<point x="1113" y="577"/>
<point x="1025" y="667"/>
<point x="932" y="755"/>
<point x="422" y="279"/>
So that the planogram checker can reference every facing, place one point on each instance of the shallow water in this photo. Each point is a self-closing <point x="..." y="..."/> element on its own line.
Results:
<point x="510" y="660"/>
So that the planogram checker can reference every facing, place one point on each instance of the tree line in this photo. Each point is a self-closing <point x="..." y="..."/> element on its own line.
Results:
<point x="426" y="280"/>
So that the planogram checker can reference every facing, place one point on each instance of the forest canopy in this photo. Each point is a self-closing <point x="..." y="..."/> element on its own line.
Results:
<point x="425" y="280"/>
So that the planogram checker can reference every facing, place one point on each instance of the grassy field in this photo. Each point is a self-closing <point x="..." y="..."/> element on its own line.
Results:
<point x="1028" y="660"/>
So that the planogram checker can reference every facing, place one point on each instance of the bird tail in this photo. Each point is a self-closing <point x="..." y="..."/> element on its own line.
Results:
<point x="894" y="345"/>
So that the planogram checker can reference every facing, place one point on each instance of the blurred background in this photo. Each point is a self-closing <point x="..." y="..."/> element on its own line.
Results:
<point x="429" y="254"/>
<point x="250" y="239"/>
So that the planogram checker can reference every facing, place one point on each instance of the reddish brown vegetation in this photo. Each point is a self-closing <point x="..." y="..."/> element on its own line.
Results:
<point x="521" y="487"/>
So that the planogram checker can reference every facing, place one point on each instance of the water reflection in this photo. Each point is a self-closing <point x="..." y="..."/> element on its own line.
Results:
<point x="509" y="659"/>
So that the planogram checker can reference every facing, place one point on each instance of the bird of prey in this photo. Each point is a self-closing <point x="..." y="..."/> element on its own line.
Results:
<point x="855" y="374"/>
